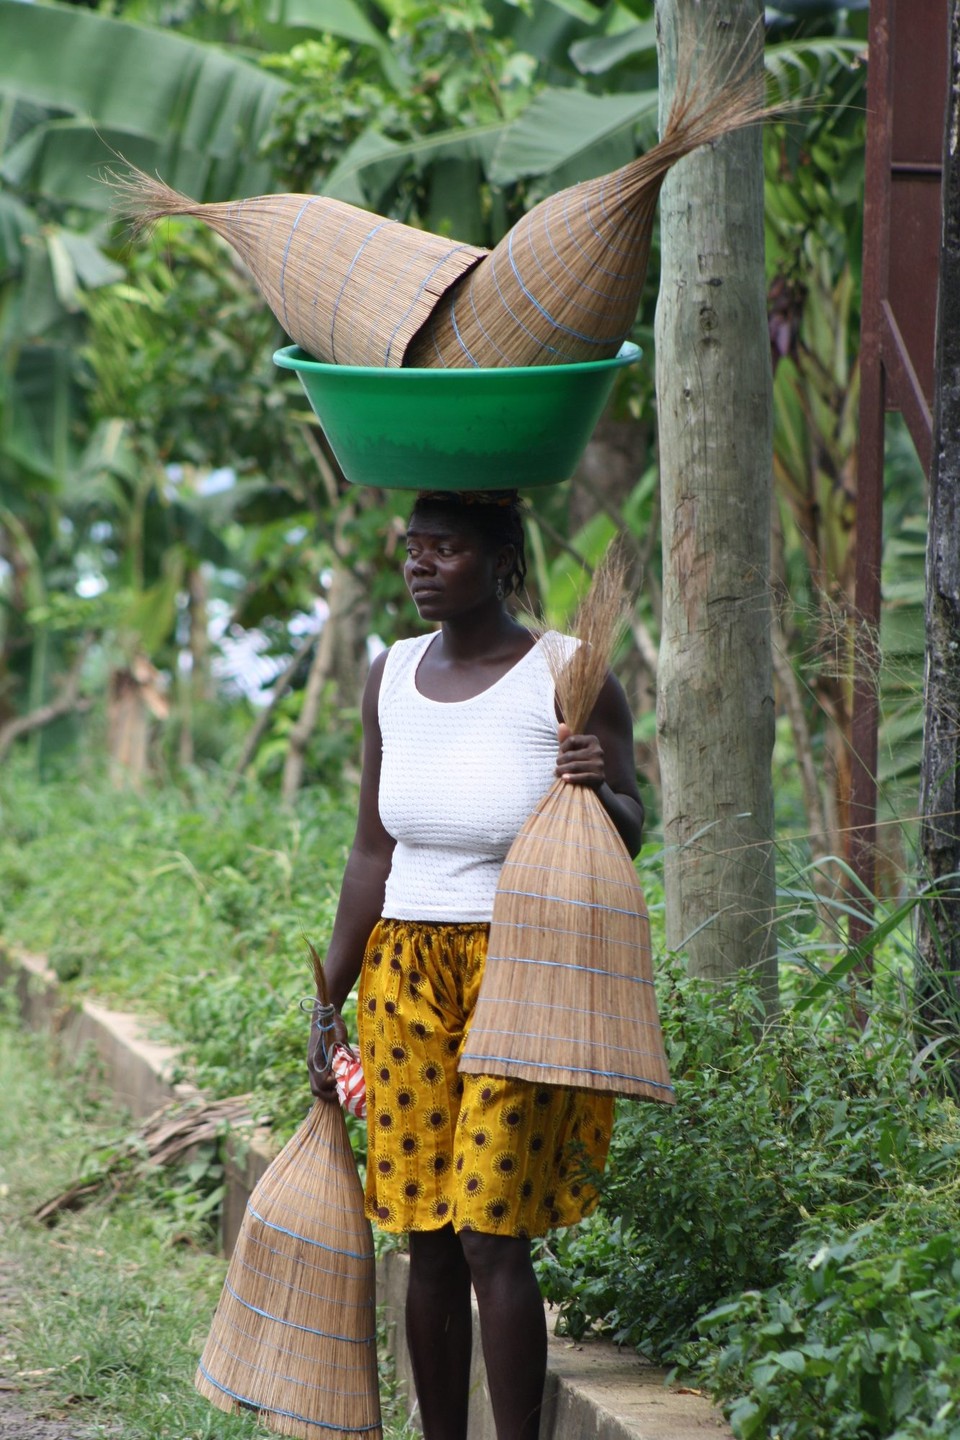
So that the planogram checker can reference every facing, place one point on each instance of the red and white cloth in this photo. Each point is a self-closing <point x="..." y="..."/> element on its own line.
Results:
<point x="351" y="1086"/>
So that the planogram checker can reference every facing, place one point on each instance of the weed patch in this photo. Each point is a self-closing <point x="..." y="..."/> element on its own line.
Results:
<point x="191" y="910"/>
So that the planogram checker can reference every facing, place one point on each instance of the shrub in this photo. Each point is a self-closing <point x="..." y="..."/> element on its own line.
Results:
<point x="858" y="1340"/>
<point x="771" y="1127"/>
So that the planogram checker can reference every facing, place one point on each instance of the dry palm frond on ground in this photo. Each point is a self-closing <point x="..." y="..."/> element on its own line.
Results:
<point x="167" y="1136"/>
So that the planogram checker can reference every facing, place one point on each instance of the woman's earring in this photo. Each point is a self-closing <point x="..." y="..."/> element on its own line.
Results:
<point x="501" y="588"/>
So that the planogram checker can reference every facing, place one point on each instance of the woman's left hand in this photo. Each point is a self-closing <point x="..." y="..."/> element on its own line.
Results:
<point x="580" y="758"/>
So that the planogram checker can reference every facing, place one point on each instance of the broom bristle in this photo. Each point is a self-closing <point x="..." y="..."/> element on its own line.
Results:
<point x="294" y="1335"/>
<point x="144" y="199"/>
<point x="717" y="97"/>
<point x="319" y="974"/>
<point x="602" y="615"/>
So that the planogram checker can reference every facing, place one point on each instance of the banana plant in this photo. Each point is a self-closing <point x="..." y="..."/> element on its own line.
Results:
<point x="816" y="391"/>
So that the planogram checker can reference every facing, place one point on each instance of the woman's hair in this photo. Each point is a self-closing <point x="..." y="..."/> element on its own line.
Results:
<point x="495" y="515"/>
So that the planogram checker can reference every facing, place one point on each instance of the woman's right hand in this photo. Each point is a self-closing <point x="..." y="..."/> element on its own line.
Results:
<point x="322" y="1081"/>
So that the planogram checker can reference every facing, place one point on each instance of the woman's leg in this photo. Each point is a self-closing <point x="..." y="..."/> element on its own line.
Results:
<point x="513" y="1330"/>
<point x="440" y="1331"/>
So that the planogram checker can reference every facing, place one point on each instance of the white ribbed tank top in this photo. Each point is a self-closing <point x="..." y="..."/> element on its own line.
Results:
<point x="458" y="781"/>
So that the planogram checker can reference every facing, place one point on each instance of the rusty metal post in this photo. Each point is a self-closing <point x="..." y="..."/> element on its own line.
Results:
<point x="869" y="534"/>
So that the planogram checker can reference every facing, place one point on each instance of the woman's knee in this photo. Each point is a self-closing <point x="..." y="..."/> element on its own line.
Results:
<point x="494" y="1257"/>
<point x="437" y="1259"/>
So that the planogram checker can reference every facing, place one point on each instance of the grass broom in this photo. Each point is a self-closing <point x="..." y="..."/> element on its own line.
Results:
<point x="348" y="286"/>
<point x="294" y="1334"/>
<point x="567" y="996"/>
<point x="564" y="284"/>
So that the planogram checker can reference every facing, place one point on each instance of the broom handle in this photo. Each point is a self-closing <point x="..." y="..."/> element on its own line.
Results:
<point x="325" y="1016"/>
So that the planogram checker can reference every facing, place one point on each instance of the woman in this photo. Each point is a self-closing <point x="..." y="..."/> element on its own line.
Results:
<point x="461" y="739"/>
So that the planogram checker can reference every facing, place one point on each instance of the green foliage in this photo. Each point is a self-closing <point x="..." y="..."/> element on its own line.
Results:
<point x="190" y="909"/>
<point x="814" y="163"/>
<point x="858" y="1340"/>
<point x="344" y="118"/>
<point x="209" y="400"/>
<point x="100" y="87"/>
<point x="334" y="745"/>
<point x="806" y="1125"/>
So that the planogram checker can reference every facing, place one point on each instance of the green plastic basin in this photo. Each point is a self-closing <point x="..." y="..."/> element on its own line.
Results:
<point x="457" y="429"/>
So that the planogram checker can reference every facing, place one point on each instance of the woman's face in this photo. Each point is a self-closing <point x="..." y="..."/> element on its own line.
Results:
<point x="449" y="570"/>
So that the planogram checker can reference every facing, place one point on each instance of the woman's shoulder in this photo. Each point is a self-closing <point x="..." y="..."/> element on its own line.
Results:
<point x="556" y="645"/>
<point x="401" y="652"/>
<point x="402" y="657"/>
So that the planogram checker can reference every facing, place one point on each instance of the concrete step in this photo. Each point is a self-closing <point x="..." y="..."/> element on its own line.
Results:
<point x="594" y="1391"/>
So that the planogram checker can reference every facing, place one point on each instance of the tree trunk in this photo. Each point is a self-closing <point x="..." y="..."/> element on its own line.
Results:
<point x="938" y="939"/>
<point x="715" y="710"/>
<point x="194" y="688"/>
<point x="335" y="657"/>
<point x="134" y="697"/>
<point x="265" y="718"/>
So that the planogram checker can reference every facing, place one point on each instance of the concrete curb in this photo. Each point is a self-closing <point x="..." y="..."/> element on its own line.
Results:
<point x="594" y="1391"/>
<point x="138" y="1070"/>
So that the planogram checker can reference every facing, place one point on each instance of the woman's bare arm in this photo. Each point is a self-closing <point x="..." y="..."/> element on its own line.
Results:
<point x="603" y="758"/>
<point x="364" y="880"/>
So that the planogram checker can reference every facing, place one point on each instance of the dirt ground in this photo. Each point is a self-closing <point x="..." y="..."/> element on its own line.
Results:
<point x="26" y="1412"/>
<point x="16" y="1423"/>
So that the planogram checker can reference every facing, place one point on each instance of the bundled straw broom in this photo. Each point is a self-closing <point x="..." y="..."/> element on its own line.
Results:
<point x="350" y="287"/>
<point x="294" y="1335"/>
<point x="567" y="995"/>
<point x="563" y="285"/>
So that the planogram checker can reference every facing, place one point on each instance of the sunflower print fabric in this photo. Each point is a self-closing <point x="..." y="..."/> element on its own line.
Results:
<point x="481" y="1153"/>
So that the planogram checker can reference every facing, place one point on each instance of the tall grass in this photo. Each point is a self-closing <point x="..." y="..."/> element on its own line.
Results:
<point x="191" y="908"/>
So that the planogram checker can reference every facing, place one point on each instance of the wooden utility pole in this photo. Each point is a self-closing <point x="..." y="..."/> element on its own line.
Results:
<point x="715" y="708"/>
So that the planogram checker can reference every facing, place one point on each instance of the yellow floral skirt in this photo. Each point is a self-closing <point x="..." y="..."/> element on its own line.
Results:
<point x="506" y="1157"/>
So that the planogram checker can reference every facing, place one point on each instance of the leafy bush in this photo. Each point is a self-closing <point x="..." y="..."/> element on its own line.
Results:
<point x="858" y="1340"/>
<point x="771" y="1127"/>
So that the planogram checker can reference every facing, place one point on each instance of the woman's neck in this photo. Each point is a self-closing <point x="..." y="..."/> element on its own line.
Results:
<point x="481" y="635"/>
